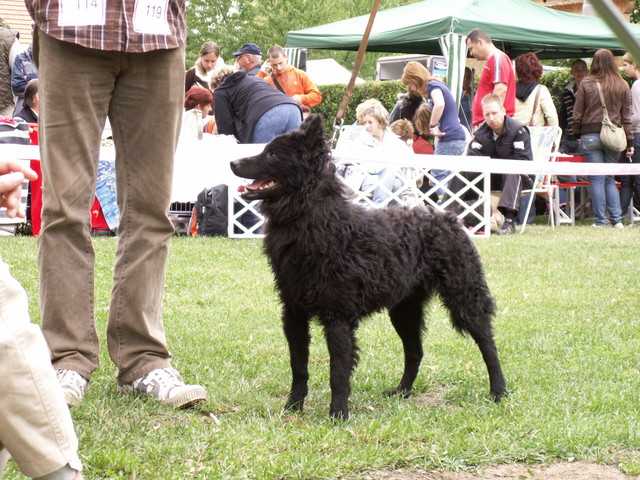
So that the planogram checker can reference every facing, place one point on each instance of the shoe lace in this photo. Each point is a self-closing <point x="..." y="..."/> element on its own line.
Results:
<point x="165" y="378"/>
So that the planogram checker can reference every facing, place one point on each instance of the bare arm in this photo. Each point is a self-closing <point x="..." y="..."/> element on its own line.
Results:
<point x="436" y="113"/>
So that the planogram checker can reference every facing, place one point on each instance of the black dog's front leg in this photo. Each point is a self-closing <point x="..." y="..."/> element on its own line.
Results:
<point x="296" y="329"/>
<point x="342" y="358"/>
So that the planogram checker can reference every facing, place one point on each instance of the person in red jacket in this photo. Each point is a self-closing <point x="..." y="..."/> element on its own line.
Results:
<point x="291" y="81"/>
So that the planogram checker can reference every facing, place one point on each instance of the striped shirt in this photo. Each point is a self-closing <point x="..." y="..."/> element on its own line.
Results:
<point x="131" y="26"/>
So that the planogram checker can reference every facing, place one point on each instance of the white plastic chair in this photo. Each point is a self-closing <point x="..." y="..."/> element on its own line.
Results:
<point x="545" y="142"/>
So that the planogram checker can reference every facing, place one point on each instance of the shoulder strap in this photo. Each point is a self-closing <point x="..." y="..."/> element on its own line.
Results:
<point x="604" y="106"/>
<point x="535" y="105"/>
<point x="277" y="83"/>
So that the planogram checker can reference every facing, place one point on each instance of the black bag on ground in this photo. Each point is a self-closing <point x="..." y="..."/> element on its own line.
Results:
<point x="212" y="210"/>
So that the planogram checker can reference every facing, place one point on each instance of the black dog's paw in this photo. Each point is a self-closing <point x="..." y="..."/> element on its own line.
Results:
<point x="499" y="395"/>
<point x="294" y="405"/>
<point x="398" y="392"/>
<point x="339" y="412"/>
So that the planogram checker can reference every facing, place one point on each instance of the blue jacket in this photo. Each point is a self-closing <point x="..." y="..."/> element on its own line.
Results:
<point x="23" y="71"/>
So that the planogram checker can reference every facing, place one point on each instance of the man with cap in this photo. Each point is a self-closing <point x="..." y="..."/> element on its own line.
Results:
<point x="249" y="58"/>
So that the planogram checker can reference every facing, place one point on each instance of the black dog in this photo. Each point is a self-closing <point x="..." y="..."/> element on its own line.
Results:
<point x="339" y="262"/>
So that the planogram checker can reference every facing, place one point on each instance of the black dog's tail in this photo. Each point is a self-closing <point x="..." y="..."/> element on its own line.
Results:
<point x="461" y="282"/>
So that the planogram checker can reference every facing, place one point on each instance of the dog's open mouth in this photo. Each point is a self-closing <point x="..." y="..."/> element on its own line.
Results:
<point x="258" y="187"/>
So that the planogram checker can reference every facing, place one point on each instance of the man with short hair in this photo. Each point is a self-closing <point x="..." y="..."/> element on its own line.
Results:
<point x="569" y="143"/>
<point x="249" y="58"/>
<point x="31" y="105"/>
<point x="503" y="137"/>
<point x="24" y="70"/>
<point x="292" y="81"/>
<point x="497" y="77"/>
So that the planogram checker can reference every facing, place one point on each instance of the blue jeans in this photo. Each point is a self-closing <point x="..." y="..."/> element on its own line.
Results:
<point x="453" y="147"/>
<point x="276" y="121"/>
<point x="604" y="194"/>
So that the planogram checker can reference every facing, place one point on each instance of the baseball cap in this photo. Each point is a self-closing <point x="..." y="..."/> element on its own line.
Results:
<point x="251" y="48"/>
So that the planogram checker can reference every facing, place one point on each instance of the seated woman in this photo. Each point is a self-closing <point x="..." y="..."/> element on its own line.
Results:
<point x="378" y="180"/>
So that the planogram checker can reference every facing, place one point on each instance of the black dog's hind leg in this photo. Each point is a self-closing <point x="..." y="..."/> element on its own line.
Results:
<point x="483" y="336"/>
<point x="407" y="319"/>
<point x="472" y="309"/>
<point x="296" y="329"/>
<point x="342" y="347"/>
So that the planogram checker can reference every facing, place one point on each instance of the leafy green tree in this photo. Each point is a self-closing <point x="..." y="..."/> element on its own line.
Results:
<point x="230" y="23"/>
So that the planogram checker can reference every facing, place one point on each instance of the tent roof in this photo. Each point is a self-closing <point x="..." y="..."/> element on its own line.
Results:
<point x="517" y="26"/>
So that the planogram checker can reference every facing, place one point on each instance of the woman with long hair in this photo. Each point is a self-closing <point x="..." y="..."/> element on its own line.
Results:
<point x="445" y="125"/>
<point x="208" y="63"/>
<point x="588" y="115"/>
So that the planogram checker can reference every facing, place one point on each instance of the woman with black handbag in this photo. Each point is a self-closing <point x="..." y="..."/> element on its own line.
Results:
<point x="602" y="119"/>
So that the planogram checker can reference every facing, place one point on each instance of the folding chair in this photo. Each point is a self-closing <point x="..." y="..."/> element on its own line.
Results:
<point x="545" y="142"/>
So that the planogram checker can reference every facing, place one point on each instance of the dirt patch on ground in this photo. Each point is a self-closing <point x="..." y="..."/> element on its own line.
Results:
<point x="556" y="471"/>
<point x="434" y="397"/>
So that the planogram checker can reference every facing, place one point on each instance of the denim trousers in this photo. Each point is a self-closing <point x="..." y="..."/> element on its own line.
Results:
<point x="453" y="147"/>
<point x="604" y="194"/>
<point x="631" y="183"/>
<point x="83" y="86"/>
<point x="278" y="120"/>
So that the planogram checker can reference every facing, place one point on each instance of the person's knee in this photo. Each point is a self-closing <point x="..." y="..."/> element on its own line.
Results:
<point x="14" y="306"/>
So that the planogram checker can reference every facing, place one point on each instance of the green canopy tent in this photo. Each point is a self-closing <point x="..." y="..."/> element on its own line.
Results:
<point x="440" y="26"/>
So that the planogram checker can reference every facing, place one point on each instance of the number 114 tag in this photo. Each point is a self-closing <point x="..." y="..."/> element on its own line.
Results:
<point x="81" y="13"/>
<point x="150" y="17"/>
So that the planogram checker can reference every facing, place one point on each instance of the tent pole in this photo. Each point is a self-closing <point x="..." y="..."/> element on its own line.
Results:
<point x="618" y="25"/>
<point x="362" y="49"/>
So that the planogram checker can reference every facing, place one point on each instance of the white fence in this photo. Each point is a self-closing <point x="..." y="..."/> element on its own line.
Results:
<point x="412" y="183"/>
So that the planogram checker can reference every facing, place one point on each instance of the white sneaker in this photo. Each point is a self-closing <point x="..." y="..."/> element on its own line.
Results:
<point x="618" y="225"/>
<point x="166" y="386"/>
<point x="73" y="386"/>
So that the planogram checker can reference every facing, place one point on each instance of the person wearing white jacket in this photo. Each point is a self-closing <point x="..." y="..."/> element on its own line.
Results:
<point x="534" y="105"/>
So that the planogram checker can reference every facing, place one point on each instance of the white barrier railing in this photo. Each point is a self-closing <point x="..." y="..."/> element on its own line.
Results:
<point x="482" y="167"/>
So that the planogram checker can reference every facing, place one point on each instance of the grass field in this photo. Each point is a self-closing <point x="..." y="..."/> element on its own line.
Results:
<point x="568" y="331"/>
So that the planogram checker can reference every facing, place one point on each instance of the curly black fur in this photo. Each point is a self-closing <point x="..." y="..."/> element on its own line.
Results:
<point x="340" y="262"/>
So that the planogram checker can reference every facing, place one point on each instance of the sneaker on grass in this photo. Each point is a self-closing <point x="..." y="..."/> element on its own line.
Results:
<point x="507" y="228"/>
<point x="166" y="386"/>
<point x="73" y="386"/>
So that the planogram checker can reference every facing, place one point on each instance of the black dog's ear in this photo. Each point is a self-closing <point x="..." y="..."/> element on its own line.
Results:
<point x="313" y="132"/>
<point x="312" y="124"/>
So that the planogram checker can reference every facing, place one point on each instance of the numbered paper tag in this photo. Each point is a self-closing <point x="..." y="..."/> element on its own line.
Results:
<point x="150" y="17"/>
<point x="81" y="13"/>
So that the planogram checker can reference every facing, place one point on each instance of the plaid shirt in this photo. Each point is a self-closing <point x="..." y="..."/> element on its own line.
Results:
<point x="118" y="32"/>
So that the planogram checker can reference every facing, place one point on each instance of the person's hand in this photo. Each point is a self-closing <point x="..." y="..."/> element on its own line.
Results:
<point x="297" y="98"/>
<point x="436" y="132"/>
<point x="12" y="175"/>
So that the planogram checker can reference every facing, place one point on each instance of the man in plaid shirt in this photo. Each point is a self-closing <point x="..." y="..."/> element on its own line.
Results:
<point x="99" y="59"/>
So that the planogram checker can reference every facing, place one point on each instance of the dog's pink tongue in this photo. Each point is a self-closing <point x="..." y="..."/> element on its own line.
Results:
<point x="256" y="184"/>
<point x="241" y="188"/>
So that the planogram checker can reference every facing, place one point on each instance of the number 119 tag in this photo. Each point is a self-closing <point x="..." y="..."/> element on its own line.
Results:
<point x="80" y="13"/>
<point x="150" y="17"/>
